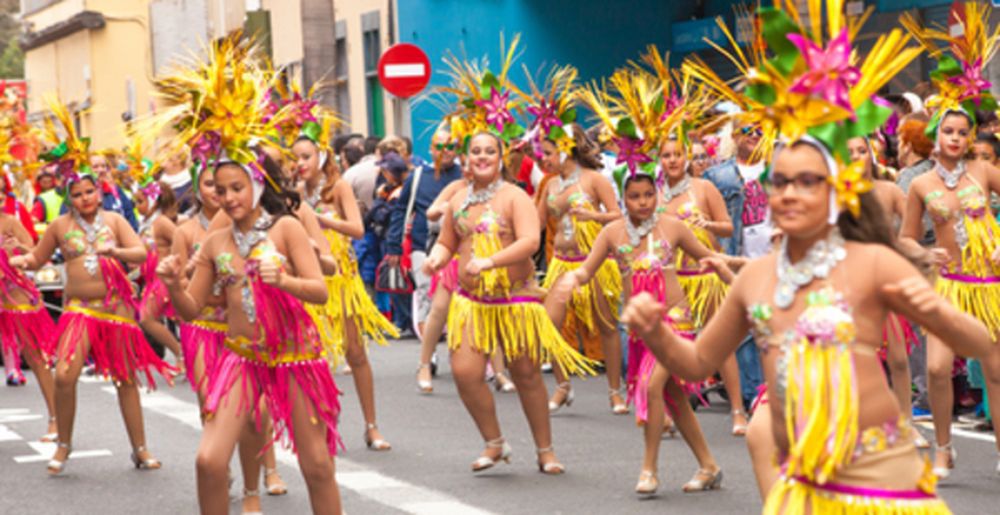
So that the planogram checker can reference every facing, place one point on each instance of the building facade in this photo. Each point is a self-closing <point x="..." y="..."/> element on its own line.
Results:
<point x="100" y="56"/>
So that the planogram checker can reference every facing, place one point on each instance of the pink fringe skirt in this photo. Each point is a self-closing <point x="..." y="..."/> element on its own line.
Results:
<point x="897" y="326"/>
<point x="155" y="298"/>
<point x="203" y="337"/>
<point x="26" y="325"/>
<point x="641" y="363"/>
<point x="117" y="345"/>
<point x="254" y="374"/>
<point x="446" y="278"/>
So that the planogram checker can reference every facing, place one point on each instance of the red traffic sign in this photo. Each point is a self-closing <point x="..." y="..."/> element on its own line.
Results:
<point x="404" y="70"/>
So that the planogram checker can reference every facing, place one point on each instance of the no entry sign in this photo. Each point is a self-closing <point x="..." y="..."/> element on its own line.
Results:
<point x="404" y="70"/>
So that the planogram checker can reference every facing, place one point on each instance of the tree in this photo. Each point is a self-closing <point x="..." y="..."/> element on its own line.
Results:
<point x="12" y="60"/>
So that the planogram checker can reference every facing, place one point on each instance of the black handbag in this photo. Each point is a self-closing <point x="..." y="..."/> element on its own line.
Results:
<point x="393" y="278"/>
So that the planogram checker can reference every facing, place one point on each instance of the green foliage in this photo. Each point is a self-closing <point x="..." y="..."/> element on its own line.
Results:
<point x="12" y="60"/>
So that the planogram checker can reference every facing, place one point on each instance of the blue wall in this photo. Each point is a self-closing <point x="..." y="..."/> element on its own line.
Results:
<point x="595" y="36"/>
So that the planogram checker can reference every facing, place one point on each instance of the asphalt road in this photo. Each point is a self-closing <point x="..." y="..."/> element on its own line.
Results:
<point x="427" y="472"/>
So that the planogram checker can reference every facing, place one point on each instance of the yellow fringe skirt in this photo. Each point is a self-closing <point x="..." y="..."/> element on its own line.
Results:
<point x="517" y="324"/>
<point x="894" y="481"/>
<point x="348" y="300"/>
<point x="977" y="296"/>
<point x="584" y="305"/>
<point x="705" y="293"/>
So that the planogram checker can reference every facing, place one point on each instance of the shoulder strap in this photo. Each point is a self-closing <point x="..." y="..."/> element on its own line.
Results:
<point x="413" y="198"/>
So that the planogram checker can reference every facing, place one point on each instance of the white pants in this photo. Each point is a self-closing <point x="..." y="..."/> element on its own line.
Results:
<point x="421" y="300"/>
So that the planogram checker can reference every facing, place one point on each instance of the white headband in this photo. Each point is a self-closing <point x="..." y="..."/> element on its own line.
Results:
<point x="257" y="188"/>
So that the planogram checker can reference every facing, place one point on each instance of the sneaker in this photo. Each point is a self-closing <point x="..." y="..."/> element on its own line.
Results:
<point x="407" y="334"/>
<point x="920" y="414"/>
<point x="16" y="378"/>
<point x="985" y="426"/>
<point x="547" y="368"/>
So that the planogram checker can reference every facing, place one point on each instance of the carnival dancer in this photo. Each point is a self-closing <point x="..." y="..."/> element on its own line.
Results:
<point x="355" y="315"/>
<point x="696" y="202"/>
<point x="583" y="201"/>
<point x="98" y="321"/>
<point x="25" y="325"/>
<point x="157" y="206"/>
<point x="265" y="268"/>
<point x="202" y="340"/>
<point x="818" y="305"/>
<point x="644" y="245"/>
<point x="899" y="334"/>
<point x="956" y="196"/>
<point x="497" y="304"/>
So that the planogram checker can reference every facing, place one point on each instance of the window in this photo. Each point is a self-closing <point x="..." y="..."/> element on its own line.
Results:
<point x="30" y="6"/>
<point x="341" y="91"/>
<point x="373" y="50"/>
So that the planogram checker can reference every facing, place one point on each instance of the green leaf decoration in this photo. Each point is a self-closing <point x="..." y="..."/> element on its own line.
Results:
<point x="56" y="153"/>
<point x="869" y="116"/>
<point x="626" y="127"/>
<point x="619" y="173"/>
<point x="835" y="138"/>
<point x="469" y="103"/>
<point x="762" y="93"/>
<point x="765" y="176"/>
<point x="556" y="133"/>
<point x="511" y="131"/>
<point x="659" y="104"/>
<point x="489" y="83"/>
<point x="776" y="26"/>
<point x="947" y="67"/>
<point x="311" y="130"/>
<point x="568" y="116"/>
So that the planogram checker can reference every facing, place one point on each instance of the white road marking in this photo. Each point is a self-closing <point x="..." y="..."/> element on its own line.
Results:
<point x="368" y="483"/>
<point x="399" y="71"/>
<point x="45" y="450"/>
<point x="964" y="433"/>
<point x="18" y="418"/>
<point x="8" y="435"/>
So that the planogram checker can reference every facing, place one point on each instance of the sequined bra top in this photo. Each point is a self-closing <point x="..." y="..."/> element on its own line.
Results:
<point x="973" y="206"/>
<point x="654" y="256"/>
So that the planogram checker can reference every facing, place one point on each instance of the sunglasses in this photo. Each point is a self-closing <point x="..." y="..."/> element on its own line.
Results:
<point x="444" y="146"/>
<point x="804" y="183"/>
<point x="699" y="157"/>
<point x="747" y="131"/>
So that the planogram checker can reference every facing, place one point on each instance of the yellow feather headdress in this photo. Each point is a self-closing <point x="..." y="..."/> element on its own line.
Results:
<point x="552" y="107"/>
<point x="69" y="152"/>
<point x="481" y="100"/>
<point x="687" y="105"/>
<point x="811" y="85"/>
<point x="629" y="106"/>
<point x="304" y="115"/>
<point x="141" y="168"/>
<point x="958" y="78"/>
<point x="220" y="107"/>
